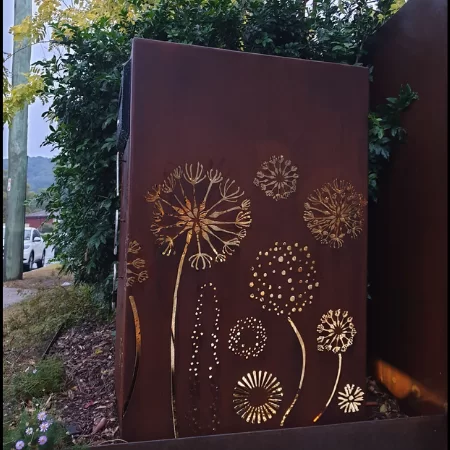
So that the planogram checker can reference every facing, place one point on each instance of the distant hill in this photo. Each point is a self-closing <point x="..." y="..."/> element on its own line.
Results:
<point x="39" y="173"/>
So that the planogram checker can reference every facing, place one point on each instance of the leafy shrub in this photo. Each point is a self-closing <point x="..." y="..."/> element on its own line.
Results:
<point x="45" y="378"/>
<point x="384" y="130"/>
<point x="46" y="228"/>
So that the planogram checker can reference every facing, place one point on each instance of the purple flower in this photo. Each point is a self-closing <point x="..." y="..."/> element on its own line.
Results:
<point x="20" y="445"/>
<point x="42" y="440"/>
<point x="44" y="426"/>
<point x="41" y="416"/>
<point x="29" y="431"/>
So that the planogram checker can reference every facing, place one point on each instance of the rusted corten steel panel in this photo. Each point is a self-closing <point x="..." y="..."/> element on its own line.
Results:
<point x="245" y="251"/>
<point x="409" y="234"/>
<point x="415" y="433"/>
<point x="124" y="317"/>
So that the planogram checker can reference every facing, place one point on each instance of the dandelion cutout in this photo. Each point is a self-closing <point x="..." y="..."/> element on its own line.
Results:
<point x="257" y="397"/>
<point x="277" y="178"/>
<point x="245" y="330"/>
<point x="135" y="266"/>
<point x="203" y="208"/>
<point x="284" y="281"/>
<point x="351" y="399"/>
<point x="284" y="278"/>
<point x="179" y="212"/>
<point x="333" y="212"/>
<point x="336" y="332"/>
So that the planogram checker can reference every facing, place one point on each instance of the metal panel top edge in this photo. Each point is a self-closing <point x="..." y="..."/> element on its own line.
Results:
<point x="141" y="42"/>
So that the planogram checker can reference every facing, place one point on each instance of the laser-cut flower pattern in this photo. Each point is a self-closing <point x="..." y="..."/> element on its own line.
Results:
<point x="283" y="281"/>
<point x="204" y="350"/>
<point x="178" y="211"/>
<point x="245" y="330"/>
<point x="277" y="178"/>
<point x="334" y="211"/>
<point x="351" y="399"/>
<point x="257" y="397"/>
<point x="134" y="272"/>
<point x="197" y="204"/>
<point x="284" y="278"/>
<point x="338" y="331"/>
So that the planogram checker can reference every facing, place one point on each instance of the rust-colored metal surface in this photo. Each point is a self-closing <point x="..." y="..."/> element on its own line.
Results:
<point x="417" y="433"/>
<point x="409" y="235"/>
<point x="243" y="249"/>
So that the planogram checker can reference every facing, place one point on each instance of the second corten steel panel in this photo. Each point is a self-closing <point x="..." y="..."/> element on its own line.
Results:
<point x="238" y="325"/>
<point x="409" y="276"/>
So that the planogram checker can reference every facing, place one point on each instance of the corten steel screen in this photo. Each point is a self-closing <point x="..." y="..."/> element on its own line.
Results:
<point x="243" y="243"/>
<point x="410" y="286"/>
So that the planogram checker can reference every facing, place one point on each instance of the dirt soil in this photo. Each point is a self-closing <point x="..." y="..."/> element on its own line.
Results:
<point x="87" y="406"/>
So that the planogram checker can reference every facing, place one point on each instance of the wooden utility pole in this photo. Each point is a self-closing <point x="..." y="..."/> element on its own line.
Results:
<point x="17" y="157"/>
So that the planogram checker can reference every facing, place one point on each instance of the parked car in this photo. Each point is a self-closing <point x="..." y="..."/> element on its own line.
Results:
<point x="33" y="248"/>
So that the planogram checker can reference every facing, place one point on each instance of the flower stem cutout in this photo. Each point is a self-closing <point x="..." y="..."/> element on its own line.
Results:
<point x="277" y="178"/>
<point x="334" y="211"/>
<point x="137" y="357"/>
<point x="134" y="272"/>
<point x="206" y="210"/>
<point x="284" y="280"/>
<point x="336" y="332"/>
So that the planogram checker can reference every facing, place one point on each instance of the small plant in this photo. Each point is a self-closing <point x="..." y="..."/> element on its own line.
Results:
<point x="35" y="429"/>
<point x="45" y="378"/>
<point x="385" y="130"/>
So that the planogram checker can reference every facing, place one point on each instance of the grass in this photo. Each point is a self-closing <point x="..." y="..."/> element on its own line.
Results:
<point x="47" y="377"/>
<point x="39" y="317"/>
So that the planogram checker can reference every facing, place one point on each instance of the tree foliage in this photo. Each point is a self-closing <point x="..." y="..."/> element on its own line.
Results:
<point x="123" y="13"/>
<point x="84" y="84"/>
<point x="35" y="29"/>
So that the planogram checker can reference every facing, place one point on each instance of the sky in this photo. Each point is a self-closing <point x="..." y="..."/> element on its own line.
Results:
<point x="37" y="126"/>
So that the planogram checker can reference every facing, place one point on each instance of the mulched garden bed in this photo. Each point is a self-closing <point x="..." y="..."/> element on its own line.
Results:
<point x="380" y="403"/>
<point x="88" y="406"/>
